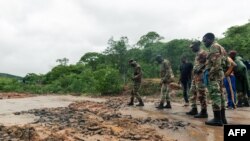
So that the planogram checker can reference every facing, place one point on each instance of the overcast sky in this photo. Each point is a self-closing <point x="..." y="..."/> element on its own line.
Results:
<point x="34" y="33"/>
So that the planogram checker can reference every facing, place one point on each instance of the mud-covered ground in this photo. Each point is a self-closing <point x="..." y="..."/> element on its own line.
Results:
<point x="14" y="95"/>
<point x="71" y="118"/>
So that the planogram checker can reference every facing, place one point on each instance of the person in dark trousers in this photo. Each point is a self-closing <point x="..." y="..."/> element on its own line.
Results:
<point x="185" y="77"/>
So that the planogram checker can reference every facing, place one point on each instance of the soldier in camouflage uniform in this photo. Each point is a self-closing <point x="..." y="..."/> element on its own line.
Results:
<point x="136" y="83"/>
<point x="215" y="77"/>
<point x="167" y="77"/>
<point x="198" y="88"/>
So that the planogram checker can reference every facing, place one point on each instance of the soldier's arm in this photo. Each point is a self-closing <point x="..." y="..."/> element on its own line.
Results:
<point x="138" y="72"/>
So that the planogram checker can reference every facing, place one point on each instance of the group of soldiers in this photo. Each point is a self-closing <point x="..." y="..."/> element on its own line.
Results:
<point x="212" y="70"/>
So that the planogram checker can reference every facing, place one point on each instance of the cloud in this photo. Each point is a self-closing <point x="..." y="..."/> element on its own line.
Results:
<point x="33" y="34"/>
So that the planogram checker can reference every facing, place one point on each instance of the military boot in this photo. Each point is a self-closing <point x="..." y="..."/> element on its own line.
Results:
<point x="223" y="116"/>
<point x="192" y="112"/>
<point x="216" y="121"/>
<point x="160" y="106"/>
<point x="131" y="103"/>
<point x="168" y="106"/>
<point x="202" y="114"/>
<point x="140" y="102"/>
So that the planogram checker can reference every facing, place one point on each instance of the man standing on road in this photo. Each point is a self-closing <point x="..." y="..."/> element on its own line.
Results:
<point x="229" y="83"/>
<point x="198" y="88"/>
<point x="167" y="77"/>
<point x="185" y="77"/>
<point x="242" y="82"/>
<point x="215" y="76"/>
<point x="136" y="83"/>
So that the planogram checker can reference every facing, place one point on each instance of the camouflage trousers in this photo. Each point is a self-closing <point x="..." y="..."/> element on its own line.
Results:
<point x="135" y="90"/>
<point x="216" y="93"/>
<point x="165" y="92"/>
<point x="198" y="91"/>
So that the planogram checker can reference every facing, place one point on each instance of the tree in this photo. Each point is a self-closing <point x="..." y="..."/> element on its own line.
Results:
<point x="117" y="54"/>
<point x="238" y="38"/>
<point x="64" y="61"/>
<point x="149" y="38"/>
<point x="93" y="59"/>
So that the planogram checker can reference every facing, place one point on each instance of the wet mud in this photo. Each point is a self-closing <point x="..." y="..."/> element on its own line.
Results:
<point x="71" y="118"/>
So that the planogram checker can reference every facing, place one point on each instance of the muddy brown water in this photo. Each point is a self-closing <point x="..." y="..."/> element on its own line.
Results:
<point x="197" y="131"/>
<point x="10" y="106"/>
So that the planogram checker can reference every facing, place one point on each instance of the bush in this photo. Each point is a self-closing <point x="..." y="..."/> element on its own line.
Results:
<point x="108" y="81"/>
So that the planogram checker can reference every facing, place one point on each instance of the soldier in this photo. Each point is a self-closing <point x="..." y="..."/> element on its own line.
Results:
<point x="136" y="83"/>
<point x="215" y="77"/>
<point x="198" y="88"/>
<point x="167" y="77"/>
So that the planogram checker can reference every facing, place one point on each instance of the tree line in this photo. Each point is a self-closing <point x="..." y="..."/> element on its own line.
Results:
<point x="107" y="72"/>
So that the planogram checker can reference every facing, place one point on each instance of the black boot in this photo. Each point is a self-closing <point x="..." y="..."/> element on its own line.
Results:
<point x="140" y="102"/>
<point x="216" y="121"/>
<point x="131" y="103"/>
<point x="160" y="106"/>
<point x="168" y="106"/>
<point x="223" y="116"/>
<point x="192" y="112"/>
<point x="239" y="104"/>
<point x="202" y="114"/>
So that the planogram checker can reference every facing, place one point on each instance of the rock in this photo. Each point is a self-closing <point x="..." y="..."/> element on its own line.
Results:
<point x="137" y="137"/>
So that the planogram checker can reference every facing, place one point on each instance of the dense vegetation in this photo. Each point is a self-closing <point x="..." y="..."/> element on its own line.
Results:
<point x="107" y="72"/>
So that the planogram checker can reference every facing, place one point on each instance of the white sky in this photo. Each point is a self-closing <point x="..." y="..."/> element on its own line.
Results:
<point x="34" y="33"/>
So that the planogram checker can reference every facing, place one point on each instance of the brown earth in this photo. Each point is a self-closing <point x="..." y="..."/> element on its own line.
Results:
<point x="59" y="118"/>
<point x="14" y="95"/>
<point x="87" y="120"/>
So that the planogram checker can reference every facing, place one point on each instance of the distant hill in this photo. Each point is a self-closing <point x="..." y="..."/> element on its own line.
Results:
<point x="10" y="76"/>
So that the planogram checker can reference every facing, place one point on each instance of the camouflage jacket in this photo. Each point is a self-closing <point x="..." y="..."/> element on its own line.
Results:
<point x="199" y="66"/>
<point x="214" y="62"/>
<point x="137" y="74"/>
<point x="166" y="72"/>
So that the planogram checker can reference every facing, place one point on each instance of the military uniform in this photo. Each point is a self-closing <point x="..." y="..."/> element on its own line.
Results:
<point x="136" y="82"/>
<point x="198" y="89"/>
<point x="167" y="77"/>
<point x="215" y="76"/>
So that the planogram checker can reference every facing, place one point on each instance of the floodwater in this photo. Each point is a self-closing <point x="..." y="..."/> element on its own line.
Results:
<point x="10" y="106"/>
<point x="196" y="131"/>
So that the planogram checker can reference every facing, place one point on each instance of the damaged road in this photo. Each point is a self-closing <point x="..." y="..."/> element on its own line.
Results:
<point x="70" y="118"/>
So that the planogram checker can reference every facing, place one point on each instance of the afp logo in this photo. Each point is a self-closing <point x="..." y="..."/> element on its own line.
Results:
<point x="241" y="132"/>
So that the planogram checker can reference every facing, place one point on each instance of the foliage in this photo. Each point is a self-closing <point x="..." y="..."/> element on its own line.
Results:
<point x="238" y="38"/>
<point x="108" y="81"/>
<point x="106" y="72"/>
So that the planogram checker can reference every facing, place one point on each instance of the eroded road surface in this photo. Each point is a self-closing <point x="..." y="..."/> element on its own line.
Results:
<point x="70" y="118"/>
